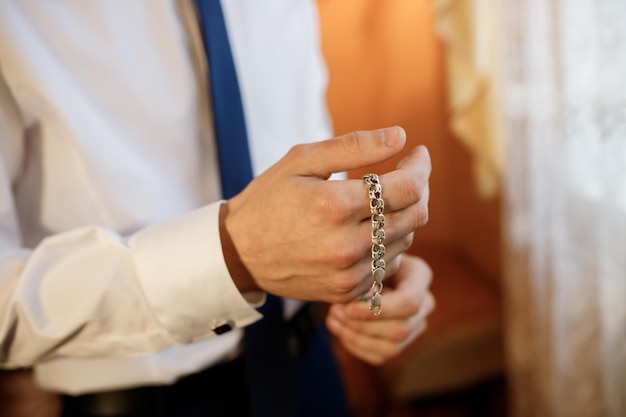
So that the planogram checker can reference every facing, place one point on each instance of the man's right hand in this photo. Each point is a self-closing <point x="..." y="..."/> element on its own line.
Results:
<point x="293" y="233"/>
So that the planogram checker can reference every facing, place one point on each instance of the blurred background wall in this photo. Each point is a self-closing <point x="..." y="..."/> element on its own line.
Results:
<point x="386" y="68"/>
<point x="386" y="65"/>
<point x="528" y="246"/>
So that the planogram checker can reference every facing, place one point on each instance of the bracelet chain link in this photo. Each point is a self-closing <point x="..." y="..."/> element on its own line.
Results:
<point x="377" y="207"/>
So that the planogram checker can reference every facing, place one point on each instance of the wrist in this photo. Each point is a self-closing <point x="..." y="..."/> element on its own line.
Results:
<point x="236" y="268"/>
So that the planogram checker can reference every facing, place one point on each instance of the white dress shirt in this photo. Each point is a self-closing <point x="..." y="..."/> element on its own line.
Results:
<point x="111" y="269"/>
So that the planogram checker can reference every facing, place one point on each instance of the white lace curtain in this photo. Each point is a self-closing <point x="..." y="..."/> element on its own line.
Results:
<point x="564" y="112"/>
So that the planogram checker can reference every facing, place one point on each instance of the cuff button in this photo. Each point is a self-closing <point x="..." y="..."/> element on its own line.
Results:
<point x="222" y="326"/>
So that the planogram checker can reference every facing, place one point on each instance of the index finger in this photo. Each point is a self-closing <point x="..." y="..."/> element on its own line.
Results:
<point x="343" y="153"/>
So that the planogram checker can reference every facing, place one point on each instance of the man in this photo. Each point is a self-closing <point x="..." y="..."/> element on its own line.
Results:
<point x="120" y="265"/>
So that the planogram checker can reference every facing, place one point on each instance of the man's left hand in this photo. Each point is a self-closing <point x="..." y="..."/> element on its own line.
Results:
<point x="407" y="301"/>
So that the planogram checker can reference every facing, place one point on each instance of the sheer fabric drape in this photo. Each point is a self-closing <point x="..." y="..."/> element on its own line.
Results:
<point x="564" y="113"/>
<point x="467" y="29"/>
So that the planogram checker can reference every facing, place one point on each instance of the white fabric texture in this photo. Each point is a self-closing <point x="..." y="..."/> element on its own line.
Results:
<point x="565" y="206"/>
<point x="111" y="271"/>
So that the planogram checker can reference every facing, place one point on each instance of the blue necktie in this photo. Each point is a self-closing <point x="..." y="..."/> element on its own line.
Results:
<point x="230" y="124"/>
<point x="279" y="386"/>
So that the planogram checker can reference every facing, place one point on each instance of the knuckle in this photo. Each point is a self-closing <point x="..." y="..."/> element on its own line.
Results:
<point x="351" y="142"/>
<point x="340" y="298"/>
<point x="297" y="152"/>
<point x="403" y="332"/>
<point x="331" y="205"/>
<point x="407" y="241"/>
<point x="412" y="306"/>
<point x="346" y="254"/>
<point x="393" y="265"/>
<point x="432" y="303"/>
<point x="357" y="326"/>
<point x="425" y="162"/>
<point x="427" y="274"/>
<point x="428" y="165"/>
<point x="421" y="216"/>
<point x="411" y="186"/>
<point x="345" y="285"/>
<point x="392" y="350"/>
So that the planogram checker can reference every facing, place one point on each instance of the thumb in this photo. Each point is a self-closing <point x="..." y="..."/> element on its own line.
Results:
<point x="350" y="151"/>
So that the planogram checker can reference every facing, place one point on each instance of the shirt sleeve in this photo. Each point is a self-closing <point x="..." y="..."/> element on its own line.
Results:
<point x="91" y="292"/>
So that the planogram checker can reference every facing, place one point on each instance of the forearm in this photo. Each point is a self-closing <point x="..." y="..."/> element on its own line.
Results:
<point x="91" y="293"/>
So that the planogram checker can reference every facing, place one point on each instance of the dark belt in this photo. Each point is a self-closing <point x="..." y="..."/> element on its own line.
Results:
<point x="220" y="390"/>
